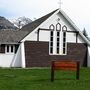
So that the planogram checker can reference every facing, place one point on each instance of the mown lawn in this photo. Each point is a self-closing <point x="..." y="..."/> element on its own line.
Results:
<point x="39" y="79"/>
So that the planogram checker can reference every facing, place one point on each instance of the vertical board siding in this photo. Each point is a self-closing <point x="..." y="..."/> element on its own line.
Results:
<point x="37" y="54"/>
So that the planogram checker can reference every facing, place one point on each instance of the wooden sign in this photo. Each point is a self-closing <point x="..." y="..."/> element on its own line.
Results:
<point x="65" y="65"/>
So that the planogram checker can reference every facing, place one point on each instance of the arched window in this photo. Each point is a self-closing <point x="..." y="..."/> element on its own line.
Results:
<point x="51" y="27"/>
<point x="58" y="27"/>
<point x="64" y="42"/>
<point x="64" y="28"/>
<point x="51" y="38"/>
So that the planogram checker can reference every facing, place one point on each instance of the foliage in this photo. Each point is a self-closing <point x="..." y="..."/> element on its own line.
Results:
<point x="39" y="79"/>
<point x="85" y="33"/>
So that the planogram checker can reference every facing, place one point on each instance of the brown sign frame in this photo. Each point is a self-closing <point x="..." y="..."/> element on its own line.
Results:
<point x="69" y="65"/>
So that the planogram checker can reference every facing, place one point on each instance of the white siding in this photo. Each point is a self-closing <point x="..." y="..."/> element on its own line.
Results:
<point x="71" y="37"/>
<point x="44" y="36"/>
<point x="80" y="40"/>
<point x="17" y="59"/>
<point x="14" y="60"/>
<point x="23" y="55"/>
<point x="6" y="60"/>
<point x="88" y="57"/>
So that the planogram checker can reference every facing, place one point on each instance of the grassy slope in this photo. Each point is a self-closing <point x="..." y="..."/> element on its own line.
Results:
<point x="39" y="79"/>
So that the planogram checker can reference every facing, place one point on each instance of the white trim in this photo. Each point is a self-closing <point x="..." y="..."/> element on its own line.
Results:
<point x="58" y="54"/>
<point x="9" y="49"/>
<point x="23" y="55"/>
<point x="60" y="43"/>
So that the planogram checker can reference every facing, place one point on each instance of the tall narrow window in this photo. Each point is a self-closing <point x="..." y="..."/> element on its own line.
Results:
<point x="51" y="42"/>
<point x="64" y="42"/>
<point x="58" y="42"/>
<point x="11" y="48"/>
<point x="51" y="39"/>
<point x="7" y="48"/>
<point x="58" y="27"/>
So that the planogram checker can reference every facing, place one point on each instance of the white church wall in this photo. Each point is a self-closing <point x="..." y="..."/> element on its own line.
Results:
<point x="6" y="60"/>
<point x="88" y="57"/>
<point x="14" y="60"/>
<point x="17" y="59"/>
<point x="31" y="37"/>
<point x="71" y="37"/>
<point x="80" y="40"/>
<point x="44" y="35"/>
<point x="23" y="55"/>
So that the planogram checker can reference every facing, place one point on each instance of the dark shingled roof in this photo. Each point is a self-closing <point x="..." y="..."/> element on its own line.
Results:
<point x="31" y="26"/>
<point x="11" y="36"/>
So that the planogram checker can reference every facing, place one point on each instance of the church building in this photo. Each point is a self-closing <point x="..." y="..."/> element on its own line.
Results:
<point x="51" y="37"/>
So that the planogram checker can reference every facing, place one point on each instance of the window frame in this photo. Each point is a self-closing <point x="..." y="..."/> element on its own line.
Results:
<point x="58" y="24"/>
<point x="57" y="43"/>
<point x="64" y="44"/>
<point x="59" y="46"/>
<point x="9" y="49"/>
<point x="51" y="39"/>
<point x="64" y="27"/>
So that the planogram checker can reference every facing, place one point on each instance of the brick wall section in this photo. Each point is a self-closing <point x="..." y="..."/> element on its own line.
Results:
<point x="37" y="54"/>
<point x="2" y="48"/>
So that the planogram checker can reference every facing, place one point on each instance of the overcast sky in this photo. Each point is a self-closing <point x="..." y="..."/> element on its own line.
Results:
<point x="77" y="10"/>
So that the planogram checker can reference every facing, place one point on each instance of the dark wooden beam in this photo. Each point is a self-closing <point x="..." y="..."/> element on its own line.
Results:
<point x="76" y="37"/>
<point x="71" y="31"/>
<point x="38" y="34"/>
<point x="44" y="29"/>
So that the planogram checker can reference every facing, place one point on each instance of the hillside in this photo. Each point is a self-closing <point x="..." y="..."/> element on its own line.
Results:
<point x="6" y="24"/>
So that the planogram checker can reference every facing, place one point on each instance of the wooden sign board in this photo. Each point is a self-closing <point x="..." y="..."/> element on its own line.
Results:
<point x="65" y="65"/>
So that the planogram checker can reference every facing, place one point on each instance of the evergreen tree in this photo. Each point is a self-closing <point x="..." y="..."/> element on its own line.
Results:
<point x="85" y="33"/>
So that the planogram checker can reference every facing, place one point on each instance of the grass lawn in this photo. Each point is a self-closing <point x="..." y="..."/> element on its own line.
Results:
<point x="39" y="79"/>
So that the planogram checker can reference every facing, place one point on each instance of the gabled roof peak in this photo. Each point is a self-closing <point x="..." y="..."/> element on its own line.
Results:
<point x="33" y="25"/>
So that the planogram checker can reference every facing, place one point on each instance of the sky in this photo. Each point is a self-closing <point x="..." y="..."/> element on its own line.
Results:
<point x="77" y="10"/>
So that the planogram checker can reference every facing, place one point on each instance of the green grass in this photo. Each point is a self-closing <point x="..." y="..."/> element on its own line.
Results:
<point x="39" y="79"/>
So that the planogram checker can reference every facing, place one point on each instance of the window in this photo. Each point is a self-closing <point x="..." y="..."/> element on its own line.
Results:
<point x="52" y="27"/>
<point x="64" y="28"/>
<point x="58" y="42"/>
<point x="51" y="39"/>
<point x="64" y="42"/>
<point x="58" y="27"/>
<point x="51" y="42"/>
<point x="12" y="48"/>
<point x="9" y="49"/>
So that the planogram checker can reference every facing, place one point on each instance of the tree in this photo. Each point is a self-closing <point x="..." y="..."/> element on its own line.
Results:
<point x="85" y="33"/>
<point x="21" y="21"/>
